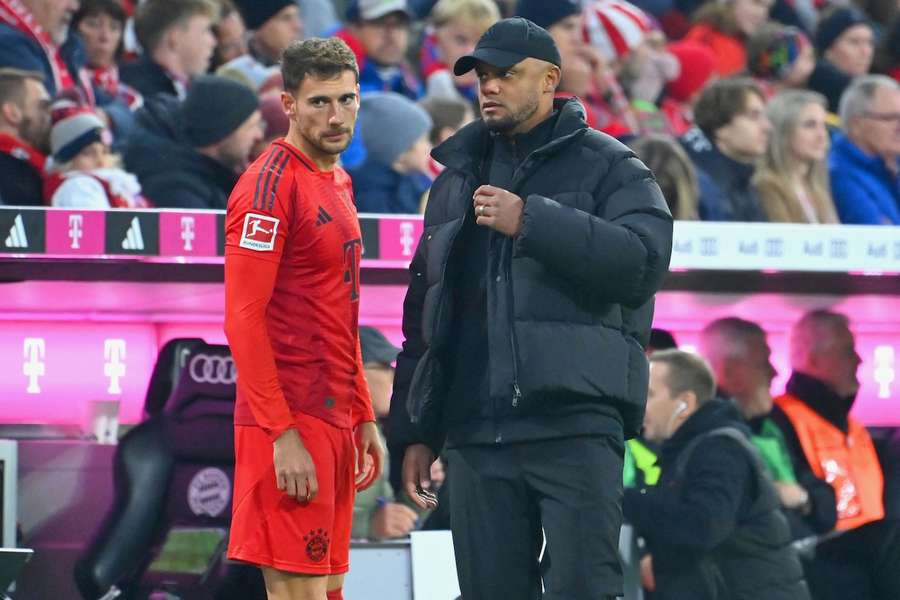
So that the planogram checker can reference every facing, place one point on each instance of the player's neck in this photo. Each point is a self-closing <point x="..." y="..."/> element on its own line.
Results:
<point x="324" y="161"/>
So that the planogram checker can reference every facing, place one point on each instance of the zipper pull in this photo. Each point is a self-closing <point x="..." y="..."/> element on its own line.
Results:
<point x="517" y="394"/>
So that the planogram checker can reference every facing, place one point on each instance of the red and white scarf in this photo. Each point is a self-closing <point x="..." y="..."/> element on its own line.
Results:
<point x="13" y="146"/>
<point x="15" y="14"/>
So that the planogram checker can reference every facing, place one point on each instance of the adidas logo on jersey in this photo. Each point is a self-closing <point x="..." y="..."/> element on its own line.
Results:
<point x="323" y="218"/>
<point x="17" y="237"/>
<point x="134" y="239"/>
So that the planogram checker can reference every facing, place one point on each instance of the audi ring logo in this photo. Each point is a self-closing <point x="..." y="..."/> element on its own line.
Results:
<point x="204" y="368"/>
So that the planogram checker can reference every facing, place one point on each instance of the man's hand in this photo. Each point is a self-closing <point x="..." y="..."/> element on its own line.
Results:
<point x="793" y="496"/>
<point x="393" y="520"/>
<point x="417" y="474"/>
<point x="498" y="209"/>
<point x="369" y="455"/>
<point x="295" y="472"/>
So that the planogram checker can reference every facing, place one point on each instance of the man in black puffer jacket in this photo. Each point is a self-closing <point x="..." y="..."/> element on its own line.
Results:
<point x="525" y="322"/>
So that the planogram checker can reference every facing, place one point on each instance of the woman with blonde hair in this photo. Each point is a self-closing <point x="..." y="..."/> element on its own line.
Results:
<point x="792" y="179"/>
<point x="674" y="171"/>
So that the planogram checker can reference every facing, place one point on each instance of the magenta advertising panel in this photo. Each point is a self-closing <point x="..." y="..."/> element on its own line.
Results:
<point x="76" y="231"/>
<point x="56" y="369"/>
<point x="187" y="234"/>
<point x="398" y="238"/>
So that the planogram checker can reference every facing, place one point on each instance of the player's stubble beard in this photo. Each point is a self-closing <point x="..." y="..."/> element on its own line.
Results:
<point x="515" y="117"/>
<point x="332" y="148"/>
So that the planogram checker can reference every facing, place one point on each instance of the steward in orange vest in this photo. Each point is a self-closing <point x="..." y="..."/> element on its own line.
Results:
<point x="837" y="448"/>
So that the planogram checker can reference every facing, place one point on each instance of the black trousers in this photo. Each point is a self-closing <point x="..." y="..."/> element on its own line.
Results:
<point x="863" y="563"/>
<point x="505" y="500"/>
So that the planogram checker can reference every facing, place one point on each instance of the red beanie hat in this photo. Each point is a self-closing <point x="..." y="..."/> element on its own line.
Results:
<point x="698" y="64"/>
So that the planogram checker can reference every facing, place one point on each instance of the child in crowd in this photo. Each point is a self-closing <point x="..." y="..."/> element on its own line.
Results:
<point x="84" y="173"/>
<point x="395" y="175"/>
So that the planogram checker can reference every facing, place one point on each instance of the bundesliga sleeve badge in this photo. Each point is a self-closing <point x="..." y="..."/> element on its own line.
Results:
<point x="259" y="232"/>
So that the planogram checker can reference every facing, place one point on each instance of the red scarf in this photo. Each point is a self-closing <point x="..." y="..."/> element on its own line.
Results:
<point x="16" y="15"/>
<point x="13" y="146"/>
<point x="107" y="79"/>
<point x="53" y="181"/>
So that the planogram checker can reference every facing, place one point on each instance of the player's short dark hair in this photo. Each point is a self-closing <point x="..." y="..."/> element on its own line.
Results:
<point x="12" y="84"/>
<point x="687" y="373"/>
<point x="721" y="101"/>
<point x="155" y="17"/>
<point x="323" y="58"/>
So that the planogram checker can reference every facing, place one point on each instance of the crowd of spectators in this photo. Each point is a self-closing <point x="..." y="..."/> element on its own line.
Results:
<point x="746" y="110"/>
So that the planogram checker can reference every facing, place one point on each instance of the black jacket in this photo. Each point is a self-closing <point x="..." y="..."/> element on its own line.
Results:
<point x="728" y="193"/>
<point x="171" y="172"/>
<point x="574" y="289"/>
<point x="147" y="77"/>
<point x="712" y="522"/>
<point x="20" y="183"/>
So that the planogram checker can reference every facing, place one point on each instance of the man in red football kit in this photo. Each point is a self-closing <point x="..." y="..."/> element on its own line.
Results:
<point x="292" y="255"/>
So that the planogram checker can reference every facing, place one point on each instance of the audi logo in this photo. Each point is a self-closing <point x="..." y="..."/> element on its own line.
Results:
<point x="204" y="368"/>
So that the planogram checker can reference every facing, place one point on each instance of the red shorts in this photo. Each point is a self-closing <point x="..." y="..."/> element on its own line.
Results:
<point x="268" y="528"/>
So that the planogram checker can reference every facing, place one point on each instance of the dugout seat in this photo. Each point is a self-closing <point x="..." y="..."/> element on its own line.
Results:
<point x="167" y="528"/>
<point x="171" y="359"/>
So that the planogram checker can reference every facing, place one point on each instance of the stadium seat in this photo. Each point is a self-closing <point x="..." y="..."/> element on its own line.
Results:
<point x="171" y="359"/>
<point x="167" y="528"/>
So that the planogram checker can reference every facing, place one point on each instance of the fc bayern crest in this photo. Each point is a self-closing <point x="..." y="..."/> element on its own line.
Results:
<point x="209" y="492"/>
<point x="316" y="544"/>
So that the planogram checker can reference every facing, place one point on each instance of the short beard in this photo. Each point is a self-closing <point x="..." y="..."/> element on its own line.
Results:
<point x="507" y="124"/>
<point x="37" y="139"/>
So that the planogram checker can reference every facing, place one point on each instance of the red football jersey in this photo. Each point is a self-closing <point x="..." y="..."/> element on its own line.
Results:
<point x="292" y="252"/>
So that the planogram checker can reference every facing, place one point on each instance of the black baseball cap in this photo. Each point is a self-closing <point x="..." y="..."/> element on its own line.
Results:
<point x="508" y="42"/>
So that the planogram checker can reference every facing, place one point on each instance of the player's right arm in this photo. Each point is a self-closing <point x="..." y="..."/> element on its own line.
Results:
<point x="254" y="241"/>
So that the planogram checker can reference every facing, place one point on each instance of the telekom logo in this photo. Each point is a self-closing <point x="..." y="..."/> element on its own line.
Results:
<point x="884" y="373"/>
<point x="187" y="233"/>
<point x="33" y="351"/>
<point x="114" y="368"/>
<point x="76" y="230"/>
<point x="406" y="237"/>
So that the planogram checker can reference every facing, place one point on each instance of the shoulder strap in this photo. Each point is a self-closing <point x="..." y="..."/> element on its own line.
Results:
<point x="732" y="433"/>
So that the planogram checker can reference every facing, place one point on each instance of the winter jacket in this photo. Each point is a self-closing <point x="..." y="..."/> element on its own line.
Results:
<point x="380" y="189"/>
<point x="865" y="191"/>
<point x="726" y="189"/>
<point x="171" y="172"/>
<point x="829" y="81"/>
<point x="148" y="78"/>
<point x="574" y="290"/>
<point x="712" y="522"/>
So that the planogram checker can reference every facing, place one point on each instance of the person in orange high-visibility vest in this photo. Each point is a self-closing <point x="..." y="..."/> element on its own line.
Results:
<point x="822" y="437"/>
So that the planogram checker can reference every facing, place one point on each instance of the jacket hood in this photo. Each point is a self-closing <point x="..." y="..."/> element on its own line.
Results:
<point x="467" y="146"/>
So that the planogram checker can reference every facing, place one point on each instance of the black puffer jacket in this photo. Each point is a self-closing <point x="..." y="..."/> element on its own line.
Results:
<point x="575" y="289"/>
<point x="172" y="173"/>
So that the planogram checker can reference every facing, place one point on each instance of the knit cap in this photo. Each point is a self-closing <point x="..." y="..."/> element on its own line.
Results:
<point x="75" y="132"/>
<point x="256" y="12"/>
<point x="698" y="65"/>
<point x="835" y="23"/>
<point x="214" y="108"/>
<point x="616" y="27"/>
<point x="390" y="124"/>
<point x="774" y="56"/>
